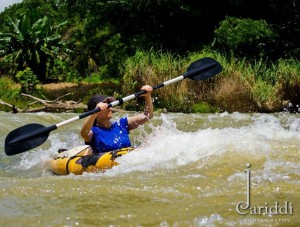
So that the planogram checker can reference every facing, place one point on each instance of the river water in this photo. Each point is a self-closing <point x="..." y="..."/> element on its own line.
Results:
<point x="187" y="170"/>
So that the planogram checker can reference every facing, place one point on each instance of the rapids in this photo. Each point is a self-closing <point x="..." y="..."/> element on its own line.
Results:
<point x="186" y="170"/>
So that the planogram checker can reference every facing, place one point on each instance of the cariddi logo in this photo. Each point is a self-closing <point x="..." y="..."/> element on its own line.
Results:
<point x="276" y="208"/>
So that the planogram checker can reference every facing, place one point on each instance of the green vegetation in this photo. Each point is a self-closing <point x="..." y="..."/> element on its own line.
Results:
<point x="242" y="86"/>
<point x="30" y="40"/>
<point x="28" y="81"/>
<point x="8" y="89"/>
<point x="10" y="93"/>
<point x="122" y="45"/>
<point x="245" y="37"/>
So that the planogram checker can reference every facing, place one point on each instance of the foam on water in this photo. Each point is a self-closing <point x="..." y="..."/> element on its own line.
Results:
<point x="167" y="147"/>
<point x="40" y="155"/>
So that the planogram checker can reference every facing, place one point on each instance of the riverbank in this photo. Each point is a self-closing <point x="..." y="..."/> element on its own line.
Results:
<point x="78" y="91"/>
<point x="226" y="95"/>
<point x="242" y="86"/>
<point x="228" y="88"/>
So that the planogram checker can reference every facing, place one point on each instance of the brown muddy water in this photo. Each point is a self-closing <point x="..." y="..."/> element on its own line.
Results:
<point x="187" y="170"/>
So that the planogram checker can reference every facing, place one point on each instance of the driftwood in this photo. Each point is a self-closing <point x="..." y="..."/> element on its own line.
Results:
<point x="51" y="105"/>
<point x="13" y="107"/>
<point x="56" y="105"/>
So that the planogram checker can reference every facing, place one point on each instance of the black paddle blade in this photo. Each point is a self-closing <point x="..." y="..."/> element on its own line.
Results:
<point x="203" y="69"/>
<point x="25" y="138"/>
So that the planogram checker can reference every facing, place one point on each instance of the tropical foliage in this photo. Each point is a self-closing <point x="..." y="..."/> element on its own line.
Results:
<point x="103" y="40"/>
<point x="31" y="41"/>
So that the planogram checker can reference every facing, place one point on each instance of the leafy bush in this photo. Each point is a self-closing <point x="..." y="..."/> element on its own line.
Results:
<point x="28" y="81"/>
<point x="99" y="76"/>
<point x="9" y="92"/>
<point x="73" y="76"/>
<point x="203" y="107"/>
<point x="244" y="37"/>
<point x="8" y="88"/>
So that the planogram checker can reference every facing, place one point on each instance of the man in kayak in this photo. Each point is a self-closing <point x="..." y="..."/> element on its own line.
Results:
<point x="102" y="134"/>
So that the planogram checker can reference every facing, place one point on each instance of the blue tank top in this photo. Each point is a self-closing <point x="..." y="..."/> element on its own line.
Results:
<point x="109" y="139"/>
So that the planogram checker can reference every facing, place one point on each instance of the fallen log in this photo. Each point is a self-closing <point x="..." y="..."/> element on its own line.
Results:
<point x="56" y="105"/>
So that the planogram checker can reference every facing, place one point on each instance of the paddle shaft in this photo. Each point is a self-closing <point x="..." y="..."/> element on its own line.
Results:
<point x="114" y="103"/>
<point x="137" y="94"/>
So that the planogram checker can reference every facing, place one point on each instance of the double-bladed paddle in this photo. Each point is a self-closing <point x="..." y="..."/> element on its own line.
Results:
<point x="30" y="136"/>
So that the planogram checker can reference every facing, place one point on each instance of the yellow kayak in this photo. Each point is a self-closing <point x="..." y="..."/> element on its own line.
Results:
<point x="80" y="159"/>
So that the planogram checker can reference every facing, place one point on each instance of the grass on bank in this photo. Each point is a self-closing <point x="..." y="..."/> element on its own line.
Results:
<point x="241" y="86"/>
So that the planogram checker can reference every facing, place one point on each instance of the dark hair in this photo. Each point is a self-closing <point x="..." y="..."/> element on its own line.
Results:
<point x="94" y="100"/>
